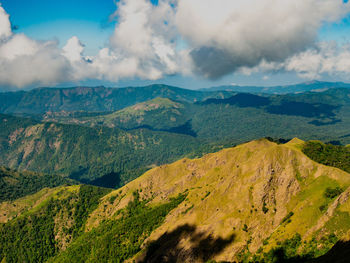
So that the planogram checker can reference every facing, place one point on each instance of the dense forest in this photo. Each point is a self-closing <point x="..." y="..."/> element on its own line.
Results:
<point x="42" y="100"/>
<point x="14" y="184"/>
<point x="328" y="154"/>
<point x="88" y="154"/>
<point x="121" y="238"/>
<point x="110" y="149"/>
<point x="239" y="118"/>
<point x="43" y="234"/>
<point x="33" y="236"/>
<point x="56" y="227"/>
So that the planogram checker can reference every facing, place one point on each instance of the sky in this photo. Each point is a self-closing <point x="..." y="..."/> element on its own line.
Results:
<point x="187" y="43"/>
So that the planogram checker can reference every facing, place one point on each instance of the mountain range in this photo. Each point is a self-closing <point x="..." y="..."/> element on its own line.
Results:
<point x="77" y="132"/>
<point x="164" y="174"/>
<point x="296" y="88"/>
<point x="96" y="99"/>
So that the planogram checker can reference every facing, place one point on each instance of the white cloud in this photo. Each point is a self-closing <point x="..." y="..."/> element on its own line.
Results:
<point x="208" y="37"/>
<point x="142" y="45"/>
<point x="5" y="25"/>
<point x="327" y="58"/>
<point x="227" y="35"/>
<point x="73" y="50"/>
<point x="145" y="35"/>
<point x="324" y="58"/>
<point x="41" y="63"/>
<point x="24" y="61"/>
<point x="18" y="45"/>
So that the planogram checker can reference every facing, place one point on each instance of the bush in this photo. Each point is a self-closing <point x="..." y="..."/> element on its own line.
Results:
<point x="245" y="228"/>
<point x="264" y="208"/>
<point x="332" y="192"/>
<point x="119" y="239"/>
<point x="287" y="217"/>
<point x="327" y="154"/>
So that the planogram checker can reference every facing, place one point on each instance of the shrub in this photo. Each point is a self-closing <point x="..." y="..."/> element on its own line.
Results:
<point x="332" y="192"/>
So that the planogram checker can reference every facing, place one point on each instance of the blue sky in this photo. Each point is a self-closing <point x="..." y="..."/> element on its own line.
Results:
<point x="49" y="19"/>
<point x="90" y="21"/>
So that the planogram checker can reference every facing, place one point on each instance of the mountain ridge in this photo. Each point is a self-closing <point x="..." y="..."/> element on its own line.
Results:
<point x="207" y="207"/>
<point x="259" y="201"/>
<point x="313" y="85"/>
<point x="39" y="101"/>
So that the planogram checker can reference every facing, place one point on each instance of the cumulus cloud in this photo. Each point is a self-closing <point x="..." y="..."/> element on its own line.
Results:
<point x="73" y="50"/>
<point x="5" y="25"/>
<point x="207" y="37"/>
<point x="24" y="61"/>
<point x="143" y="45"/>
<point x="145" y="35"/>
<point x="327" y="58"/>
<point x="228" y="35"/>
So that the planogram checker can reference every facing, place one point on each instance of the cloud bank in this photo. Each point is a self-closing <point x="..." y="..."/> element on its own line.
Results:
<point x="206" y="37"/>
<point x="229" y="35"/>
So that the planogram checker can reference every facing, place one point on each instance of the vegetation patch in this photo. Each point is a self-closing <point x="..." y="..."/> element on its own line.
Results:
<point x="264" y="208"/>
<point x="118" y="240"/>
<point x="287" y="218"/>
<point x="332" y="155"/>
<point x="15" y="184"/>
<point x="332" y="192"/>
<point x="31" y="237"/>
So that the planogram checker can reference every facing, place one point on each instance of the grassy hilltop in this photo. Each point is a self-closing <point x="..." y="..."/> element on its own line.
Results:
<point x="257" y="201"/>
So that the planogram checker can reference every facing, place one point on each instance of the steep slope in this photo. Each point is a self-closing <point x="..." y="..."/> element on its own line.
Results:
<point x="35" y="228"/>
<point x="102" y="156"/>
<point x="257" y="201"/>
<point x="42" y="100"/>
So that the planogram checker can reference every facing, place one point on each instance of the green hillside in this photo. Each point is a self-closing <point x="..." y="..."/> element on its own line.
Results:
<point x="87" y="154"/>
<point x="257" y="202"/>
<point x="328" y="154"/>
<point x="42" y="100"/>
<point x="14" y="184"/>
<point x="40" y="232"/>
<point x="297" y="88"/>
<point x="156" y="114"/>
<point x="111" y="148"/>
<point x="242" y="117"/>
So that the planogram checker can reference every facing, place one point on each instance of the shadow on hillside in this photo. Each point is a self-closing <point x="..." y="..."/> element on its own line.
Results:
<point x="167" y="248"/>
<point x="309" y="110"/>
<point x="285" y="107"/>
<point x="340" y="253"/>
<point x="76" y="175"/>
<point x="185" y="129"/>
<point x="242" y="100"/>
<point x="110" y="180"/>
<point x="324" y="123"/>
<point x="279" y="255"/>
